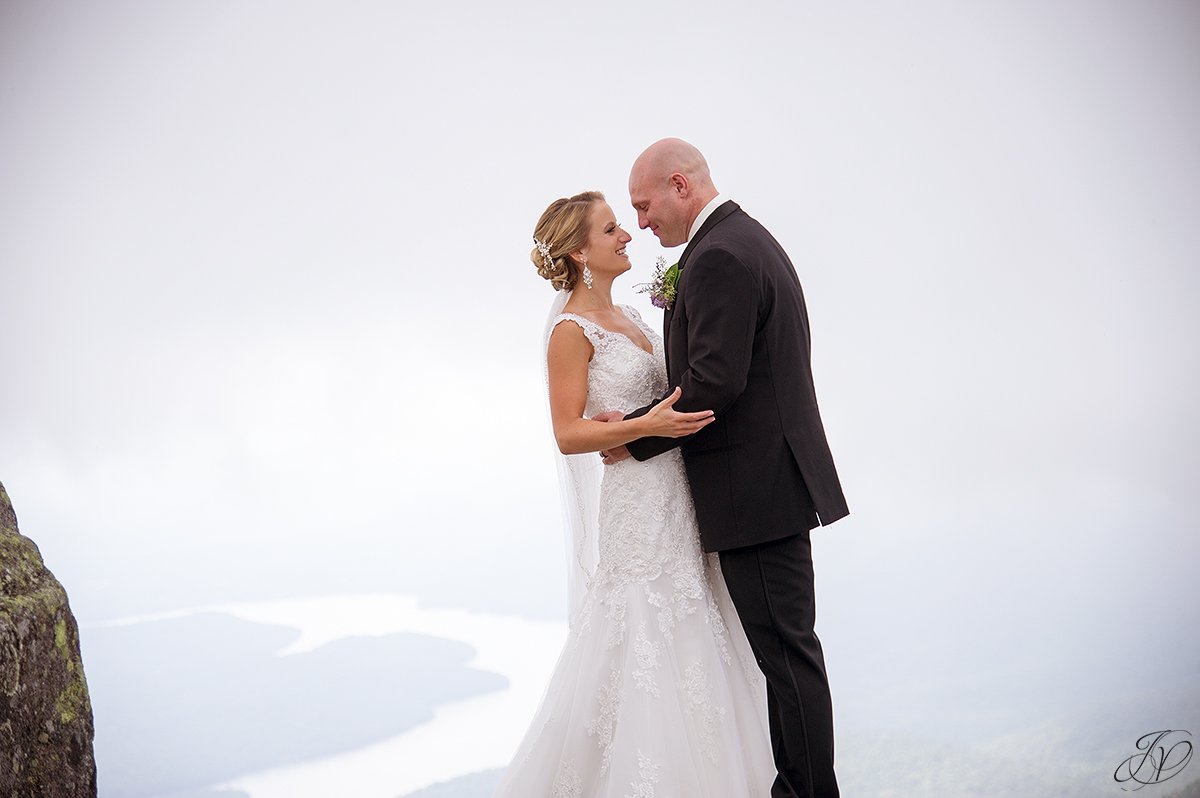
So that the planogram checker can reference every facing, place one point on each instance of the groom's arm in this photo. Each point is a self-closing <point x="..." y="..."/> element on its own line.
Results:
<point x="722" y="306"/>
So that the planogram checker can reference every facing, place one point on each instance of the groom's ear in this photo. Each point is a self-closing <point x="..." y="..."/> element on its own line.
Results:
<point x="680" y="184"/>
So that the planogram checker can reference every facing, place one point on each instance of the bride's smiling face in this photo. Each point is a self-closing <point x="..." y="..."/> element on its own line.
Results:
<point x="605" y="248"/>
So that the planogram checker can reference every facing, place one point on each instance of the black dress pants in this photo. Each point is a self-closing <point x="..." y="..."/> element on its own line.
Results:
<point x="771" y="585"/>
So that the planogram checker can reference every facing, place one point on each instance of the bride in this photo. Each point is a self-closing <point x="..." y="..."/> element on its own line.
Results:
<point x="656" y="692"/>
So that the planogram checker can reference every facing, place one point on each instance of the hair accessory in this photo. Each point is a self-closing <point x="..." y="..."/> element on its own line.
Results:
<point x="545" y="250"/>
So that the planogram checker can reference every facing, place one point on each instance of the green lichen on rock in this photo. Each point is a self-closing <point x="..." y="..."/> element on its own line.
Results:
<point x="60" y="637"/>
<point x="70" y="701"/>
<point x="46" y="727"/>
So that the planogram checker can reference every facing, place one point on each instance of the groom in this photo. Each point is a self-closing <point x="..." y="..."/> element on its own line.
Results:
<point x="762" y="476"/>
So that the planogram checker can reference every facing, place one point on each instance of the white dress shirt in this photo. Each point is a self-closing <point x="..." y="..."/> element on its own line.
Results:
<point x="705" y="212"/>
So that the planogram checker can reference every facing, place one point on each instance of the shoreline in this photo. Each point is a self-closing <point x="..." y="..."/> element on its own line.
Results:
<point x="486" y="728"/>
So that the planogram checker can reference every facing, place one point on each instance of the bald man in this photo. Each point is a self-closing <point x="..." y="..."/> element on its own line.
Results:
<point x="762" y="476"/>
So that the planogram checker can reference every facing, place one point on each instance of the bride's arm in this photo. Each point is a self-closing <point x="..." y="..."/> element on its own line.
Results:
<point x="567" y="360"/>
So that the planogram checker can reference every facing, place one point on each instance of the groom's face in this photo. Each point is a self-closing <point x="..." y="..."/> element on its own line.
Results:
<point x="659" y="207"/>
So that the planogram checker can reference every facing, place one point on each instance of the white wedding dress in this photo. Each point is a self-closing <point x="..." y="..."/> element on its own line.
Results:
<point x="656" y="693"/>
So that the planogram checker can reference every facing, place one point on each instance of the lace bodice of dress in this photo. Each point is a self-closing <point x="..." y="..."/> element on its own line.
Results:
<point x="647" y="518"/>
<point x="622" y="376"/>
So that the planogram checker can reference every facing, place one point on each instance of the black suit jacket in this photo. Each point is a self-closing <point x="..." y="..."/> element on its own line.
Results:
<point x="737" y="342"/>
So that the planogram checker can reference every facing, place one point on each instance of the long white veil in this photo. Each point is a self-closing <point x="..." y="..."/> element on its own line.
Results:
<point x="579" y="489"/>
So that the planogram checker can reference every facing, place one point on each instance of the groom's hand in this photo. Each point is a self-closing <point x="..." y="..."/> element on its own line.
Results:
<point x="617" y="453"/>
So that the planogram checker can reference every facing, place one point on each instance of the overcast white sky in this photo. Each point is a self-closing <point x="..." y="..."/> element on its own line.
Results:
<point x="269" y="325"/>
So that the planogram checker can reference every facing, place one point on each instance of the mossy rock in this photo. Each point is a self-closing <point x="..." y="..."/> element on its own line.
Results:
<point x="46" y="727"/>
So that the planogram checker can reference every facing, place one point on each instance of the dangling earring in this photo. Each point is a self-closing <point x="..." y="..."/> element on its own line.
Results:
<point x="587" y="275"/>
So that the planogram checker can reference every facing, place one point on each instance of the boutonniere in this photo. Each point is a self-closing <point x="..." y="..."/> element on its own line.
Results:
<point x="662" y="287"/>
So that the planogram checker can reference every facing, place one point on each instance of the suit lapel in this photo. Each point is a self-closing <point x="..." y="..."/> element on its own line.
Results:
<point x="722" y="211"/>
<point x="668" y="314"/>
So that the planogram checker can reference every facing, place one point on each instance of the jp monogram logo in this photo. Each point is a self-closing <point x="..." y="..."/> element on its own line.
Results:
<point x="1161" y="755"/>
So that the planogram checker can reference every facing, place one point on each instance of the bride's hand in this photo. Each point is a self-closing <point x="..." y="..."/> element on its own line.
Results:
<point x="665" y="422"/>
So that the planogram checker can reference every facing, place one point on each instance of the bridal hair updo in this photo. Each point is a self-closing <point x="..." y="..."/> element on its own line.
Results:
<point x="564" y="228"/>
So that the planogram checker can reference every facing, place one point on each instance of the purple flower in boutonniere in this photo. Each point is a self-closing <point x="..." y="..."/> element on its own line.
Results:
<point x="662" y="287"/>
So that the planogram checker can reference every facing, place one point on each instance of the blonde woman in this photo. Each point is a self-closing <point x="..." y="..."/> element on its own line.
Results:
<point x="656" y="691"/>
